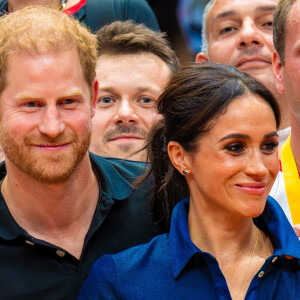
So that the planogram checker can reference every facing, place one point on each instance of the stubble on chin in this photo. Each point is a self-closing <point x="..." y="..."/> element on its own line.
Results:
<point x="46" y="167"/>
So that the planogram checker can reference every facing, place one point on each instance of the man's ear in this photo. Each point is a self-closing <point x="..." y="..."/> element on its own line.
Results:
<point x="201" y="57"/>
<point x="277" y="68"/>
<point x="95" y="90"/>
<point x="179" y="157"/>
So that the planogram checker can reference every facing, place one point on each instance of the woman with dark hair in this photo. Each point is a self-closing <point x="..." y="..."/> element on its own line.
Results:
<point x="216" y="147"/>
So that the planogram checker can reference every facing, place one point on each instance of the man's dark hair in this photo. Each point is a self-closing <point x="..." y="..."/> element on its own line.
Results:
<point x="129" y="38"/>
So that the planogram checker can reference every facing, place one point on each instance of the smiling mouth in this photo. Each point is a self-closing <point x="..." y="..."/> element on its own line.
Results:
<point x="125" y="138"/>
<point x="252" y="63"/>
<point x="253" y="189"/>
<point x="52" y="147"/>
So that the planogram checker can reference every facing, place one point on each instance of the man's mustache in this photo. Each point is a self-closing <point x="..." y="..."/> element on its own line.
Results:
<point x="121" y="129"/>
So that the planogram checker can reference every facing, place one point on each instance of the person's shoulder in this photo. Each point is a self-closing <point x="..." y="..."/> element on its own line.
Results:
<point x="132" y="260"/>
<point x="111" y="273"/>
<point x="2" y="169"/>
<point x="155" y="250"/>
<point x="100" y="13"/>
<point x="274" y="221"/>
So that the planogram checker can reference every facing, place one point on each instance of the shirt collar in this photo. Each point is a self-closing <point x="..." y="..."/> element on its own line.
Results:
<point x="117" y="175"/>
<point x="112" y="180"/>
<point x="9" y="229"/>
<point x="181" y="246"/>
<point x="272" y="221"/>
<point x="3" y="7"/>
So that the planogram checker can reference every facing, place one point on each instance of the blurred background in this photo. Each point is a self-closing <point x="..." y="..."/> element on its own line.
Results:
<point x="182" y="21"/>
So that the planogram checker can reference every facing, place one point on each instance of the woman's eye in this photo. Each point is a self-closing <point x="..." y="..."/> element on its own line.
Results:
<point x="235" y="148"/>
<point x="269" y="146"/>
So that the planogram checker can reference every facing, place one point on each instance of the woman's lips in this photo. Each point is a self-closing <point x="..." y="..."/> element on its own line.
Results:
<point x="252" y="188"/>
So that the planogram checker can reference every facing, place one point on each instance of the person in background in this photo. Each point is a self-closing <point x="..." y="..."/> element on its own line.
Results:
<point x="189" y="14"/>
<point x="94" y="13"/>
<point x="286" y="189"/>
<point x="61" y="208"/>
<point x="134" y="65"/>
<point x="216" y="147"/>
<point x="239" y="33"/>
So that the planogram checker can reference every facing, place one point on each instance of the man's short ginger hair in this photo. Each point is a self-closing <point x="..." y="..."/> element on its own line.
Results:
<point x="126" y="37"/>
<point x="37" y="30"/>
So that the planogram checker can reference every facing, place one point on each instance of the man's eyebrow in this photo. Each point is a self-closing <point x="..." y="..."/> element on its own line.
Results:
<point x="222" y="15"/>
<point x="24" y="96"/>
<point x="72" y="93"/>
<point x="269" y="8"/>
<point x="111" y="89"/>
<point x="68" y="93"/>
<point x="225" y="14"/>
<point x="231" y="13"/>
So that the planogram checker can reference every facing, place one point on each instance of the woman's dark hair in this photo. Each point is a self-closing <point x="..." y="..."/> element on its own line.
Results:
<point x="190" y="104"/>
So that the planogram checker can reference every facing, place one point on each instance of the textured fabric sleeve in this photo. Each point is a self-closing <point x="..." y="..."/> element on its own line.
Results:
<point x="140" y="12"/>
<point x="101" y="282"/>
<point x="100" y="13"/>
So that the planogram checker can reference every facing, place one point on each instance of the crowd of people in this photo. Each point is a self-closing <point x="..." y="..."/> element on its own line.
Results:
<point x="125" y="176"/>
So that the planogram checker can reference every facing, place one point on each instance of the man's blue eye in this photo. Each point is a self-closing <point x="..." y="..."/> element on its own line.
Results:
<point x="146" y="100"/>
<point x="69" y="101"/>
<point x="105" y="100"/>
<point x="31" y="104"/>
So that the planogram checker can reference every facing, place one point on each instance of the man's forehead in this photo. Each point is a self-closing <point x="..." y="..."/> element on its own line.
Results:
<point x="228" y="8"/>
<point x="293" y="15"/>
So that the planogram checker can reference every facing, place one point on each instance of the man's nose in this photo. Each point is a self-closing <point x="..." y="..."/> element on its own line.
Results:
<point x="126" y="113"/>
<point x="250" y="35"/>
<point x="51" y="123"/>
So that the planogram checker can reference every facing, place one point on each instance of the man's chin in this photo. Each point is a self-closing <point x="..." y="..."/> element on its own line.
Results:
<point x="263" y="75"/>
<point x="130" y="151"/>
<point x="50" y="170"/>
<point x="257" y="71"/>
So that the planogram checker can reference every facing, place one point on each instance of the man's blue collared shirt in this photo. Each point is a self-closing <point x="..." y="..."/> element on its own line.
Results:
<point x="172" y="267"/>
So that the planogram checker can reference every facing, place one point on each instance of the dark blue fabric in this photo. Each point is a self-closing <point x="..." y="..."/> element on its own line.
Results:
<point x="172" y="267"/>
<point x="97" y="13"/>
<point x="32" y="269"/>
<point x="103" y="12"/>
